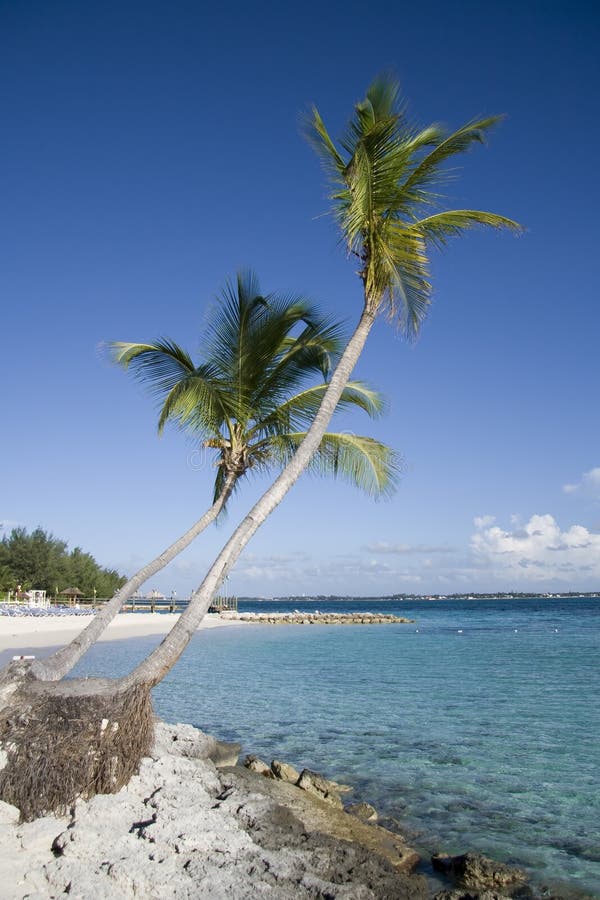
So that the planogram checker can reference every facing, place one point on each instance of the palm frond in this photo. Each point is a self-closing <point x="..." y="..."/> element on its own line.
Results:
<point x="317" y="135"/>
<point x="299" y="410"/>
<point x="199" y="403"/>
<point x="260" y="344"/>
<point x="429" y="169"/>
<point x="159" y="365"/>
<point x="364" y="462"/>
<point x="440" y="227"/>
<point x="261" y="354"/>
<point x="383" y="177"/>
<point x="401" y="278"/>
<point x="311" y="352"/>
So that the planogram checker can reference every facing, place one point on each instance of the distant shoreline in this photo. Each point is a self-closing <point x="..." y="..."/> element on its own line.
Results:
<point x="397" y="598"/>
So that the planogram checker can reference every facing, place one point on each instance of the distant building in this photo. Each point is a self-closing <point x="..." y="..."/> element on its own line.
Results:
<point x="37" y="598"/>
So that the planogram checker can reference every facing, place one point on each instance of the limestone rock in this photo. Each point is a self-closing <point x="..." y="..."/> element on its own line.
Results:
<point x="225" y="754"/>
<point x="285" y="771"/>
<point x="473" y="870"/>
<point x="470" y="895"/>
<point x="298" y="813"/>
<point x="182" y="740"/>
<point x="317" y="618"/>
<point x="363" y="811"/>
<point x="191" y="743"/>
<point x="182" y="829"/>
<point x="9" y="814"/>
<point x="313" y="783"/>
<point x="39" y="834"/>
<point x="257" y="765"/>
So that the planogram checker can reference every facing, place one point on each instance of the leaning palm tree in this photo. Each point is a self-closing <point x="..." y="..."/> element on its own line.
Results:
<point x="248" y="401"/>
<point x="387" y="179"/>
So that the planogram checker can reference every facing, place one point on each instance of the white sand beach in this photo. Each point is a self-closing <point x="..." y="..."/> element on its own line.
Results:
<point x="28" y="632"/>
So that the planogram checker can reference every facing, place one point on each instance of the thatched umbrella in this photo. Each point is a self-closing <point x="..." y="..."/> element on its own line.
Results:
<point x="72" y="593"/>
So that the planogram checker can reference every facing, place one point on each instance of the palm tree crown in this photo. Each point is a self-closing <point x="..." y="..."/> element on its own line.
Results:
<point x="252" y="397"/>
<point x="386" y="177"/>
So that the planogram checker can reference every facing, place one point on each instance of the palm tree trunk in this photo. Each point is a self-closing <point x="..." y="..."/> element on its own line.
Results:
<point x="60" y="663"/>
<point x="153" y="669"/>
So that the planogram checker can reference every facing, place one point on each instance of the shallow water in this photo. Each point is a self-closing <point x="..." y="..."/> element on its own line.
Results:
<point x="486" y="739"/>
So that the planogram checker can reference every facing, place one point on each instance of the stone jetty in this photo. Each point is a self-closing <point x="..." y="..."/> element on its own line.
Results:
<point x="317" y="618"/>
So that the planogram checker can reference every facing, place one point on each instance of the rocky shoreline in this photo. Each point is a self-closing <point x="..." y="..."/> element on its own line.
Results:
<point x="194" y="824"/>
<point x="318" y="618"/>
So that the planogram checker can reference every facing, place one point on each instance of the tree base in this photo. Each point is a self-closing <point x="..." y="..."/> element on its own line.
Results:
<point x="72" y="739"/>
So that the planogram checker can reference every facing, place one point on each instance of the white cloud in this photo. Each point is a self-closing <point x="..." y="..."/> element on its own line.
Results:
<point x="539" y="551"/>
<point x="589" y="486"/>
<point x="483" y="521"/>
<point x="403" y="549"/>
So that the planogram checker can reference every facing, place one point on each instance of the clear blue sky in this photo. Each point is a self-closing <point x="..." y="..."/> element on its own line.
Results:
<point x="149" y="149"/>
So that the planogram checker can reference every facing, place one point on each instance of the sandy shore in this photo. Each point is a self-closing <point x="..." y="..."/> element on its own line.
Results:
<point x="26" y="632"/>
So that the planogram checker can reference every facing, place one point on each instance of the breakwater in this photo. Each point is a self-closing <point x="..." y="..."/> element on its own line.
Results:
<point x="318" y="618"/>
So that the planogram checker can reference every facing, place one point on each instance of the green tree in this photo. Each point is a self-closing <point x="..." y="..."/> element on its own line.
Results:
<point x="83" y="571"/>
<point x="35" y="559"/>
<point x="387" y="179"/>
<point x="41" y="561"/>
<point x="248" y="403"/>
<point x="7" y="578"/>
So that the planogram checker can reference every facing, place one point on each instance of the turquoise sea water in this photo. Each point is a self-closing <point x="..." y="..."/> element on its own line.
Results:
<point x="487" y="739"/>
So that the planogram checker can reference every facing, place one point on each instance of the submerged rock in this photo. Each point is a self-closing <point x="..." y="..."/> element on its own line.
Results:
<point x="225" y="754"/>
<point x="472" y="870"/>
<point x="363" y="811"/>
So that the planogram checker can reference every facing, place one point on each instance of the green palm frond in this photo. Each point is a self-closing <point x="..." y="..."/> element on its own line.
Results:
<point x="189" y="396"/>
<point x="317" y="135"/>
<point x="261" y="356"/>
<point x="299" y="410"/>
<point x="364" y="462"/>
<point x="438" y="228"/>
<point x="159" y="365"/>
<point x="199" y="403"/>
<point x="384" y="174"/>
<point x="260" y="344"/>
<point x="311" y="352"/>
<point x="429" y="170"/>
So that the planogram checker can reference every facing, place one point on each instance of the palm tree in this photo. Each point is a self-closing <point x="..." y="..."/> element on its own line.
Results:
<point x="248" y="401"/>
<point x="239" y="403"/>
<point x="387" y="178"/>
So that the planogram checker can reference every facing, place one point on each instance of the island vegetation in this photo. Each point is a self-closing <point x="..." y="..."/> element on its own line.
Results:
<point x="37" y="560"/>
